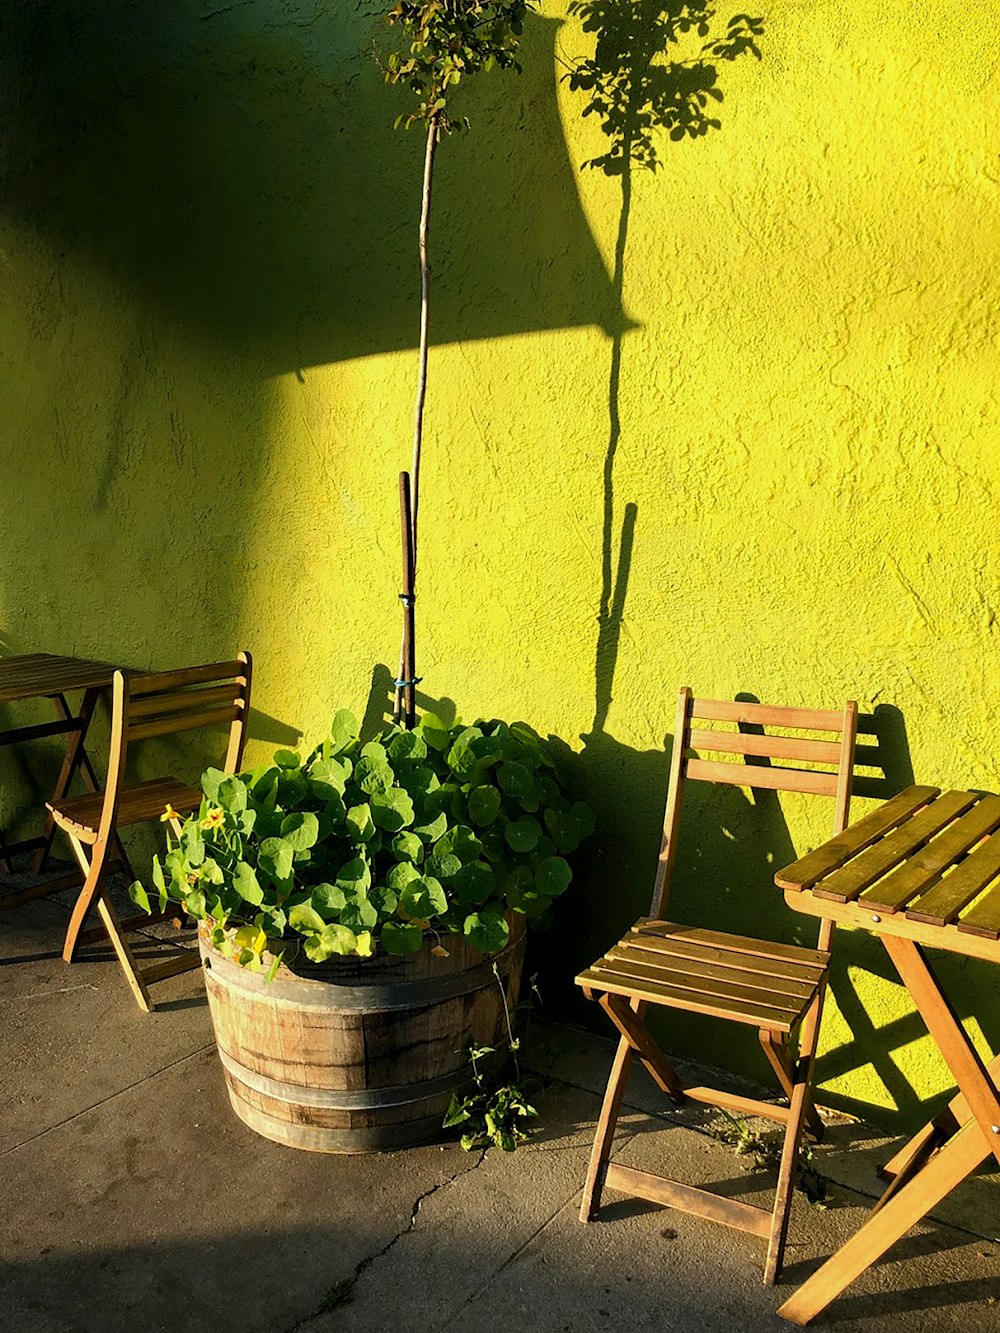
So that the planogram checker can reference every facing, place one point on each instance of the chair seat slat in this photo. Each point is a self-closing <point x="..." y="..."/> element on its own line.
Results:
<point x="745" y="944"/>
<point x="704" y="975"/>
<point x="778" y="1019"/>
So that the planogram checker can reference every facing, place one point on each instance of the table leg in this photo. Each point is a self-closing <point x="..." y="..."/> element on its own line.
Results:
<point x="957" y="1159"/>
<point x="76" y="758"/>
<point x="912" y="1155"/>
<point x="960" y="1055"/>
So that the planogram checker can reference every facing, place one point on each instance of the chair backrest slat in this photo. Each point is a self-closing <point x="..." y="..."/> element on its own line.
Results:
<point x="758" y="775"/>
<point x="770" y="747"/>
<point x="164" y="702"/>
<point x="755" y="745"/>
<point x="159" y="681"/>
<point x="764" y="715"/>
<point x="181" y="701"/>
<point x="185" y="721"/>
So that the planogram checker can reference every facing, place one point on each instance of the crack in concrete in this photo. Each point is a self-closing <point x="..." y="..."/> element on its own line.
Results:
<point x="342" y="1292"/>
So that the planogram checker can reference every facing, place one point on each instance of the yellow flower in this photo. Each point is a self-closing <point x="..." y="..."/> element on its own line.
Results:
<point x="168" y="814"/>
<point x="213" y="819"/>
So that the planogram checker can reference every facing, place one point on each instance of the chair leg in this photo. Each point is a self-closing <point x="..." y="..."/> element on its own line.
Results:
<point x="85" y="901"/>
<point x="125" y="956"/>
<point x="780" y="1059"/>
<point x="604" y="1136"/>
<point x="91" y="868"/>
<point x="802" y="1074"/>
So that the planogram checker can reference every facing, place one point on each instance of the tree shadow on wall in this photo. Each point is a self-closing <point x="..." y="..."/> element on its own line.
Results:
<point x="641" y="85"/>
<point x="237" y="165"/>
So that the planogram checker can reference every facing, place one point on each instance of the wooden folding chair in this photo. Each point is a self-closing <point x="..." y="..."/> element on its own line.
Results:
<point x="159" y="704"/>
<point x="776" y="988"/>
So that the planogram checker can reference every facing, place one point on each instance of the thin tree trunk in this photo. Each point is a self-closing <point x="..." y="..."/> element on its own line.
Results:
<point x="407" y="668"/>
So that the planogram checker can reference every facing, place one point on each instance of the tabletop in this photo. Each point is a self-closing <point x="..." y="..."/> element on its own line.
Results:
<point x="924" y="866"/>
<point x="38" y="674"/>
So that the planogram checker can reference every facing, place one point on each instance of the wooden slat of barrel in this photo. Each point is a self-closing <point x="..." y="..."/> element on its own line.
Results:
<point x="358" y="1055"/>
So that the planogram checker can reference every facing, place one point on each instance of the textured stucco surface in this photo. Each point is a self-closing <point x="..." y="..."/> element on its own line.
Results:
<point x="208" y="318"/>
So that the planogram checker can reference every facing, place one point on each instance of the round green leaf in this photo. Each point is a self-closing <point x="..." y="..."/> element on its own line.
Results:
<point x="304" y="918"/>
<point x="400" y="937"/>
<point x="443" y="867"/>
<point x="275" y="858"/>
<point x="423" y="898"/>
<point x="515" y="779"/>
<point x="355" y="875"/>
<point x="474" y="884"/>
<point x="523" y="834"/>
<point x="287" y="759"/>
<point x="487" y="931"/>
<point x="359" y="914"/>
<point x="383" y="899"/>
<point x="246" y="884"/>
<point x="392" y="810"/>
<point x="407" y="847"/>
<point x="484" y="805"/>
<point x="359" y="822"/>
<point x="553" y="876"/>
<point x="328" y="900"/>
<point x="434" y="830"/>
<point x="332" y="939"/>
<point x="300" y="830"/>
<point x="401" y="874"/>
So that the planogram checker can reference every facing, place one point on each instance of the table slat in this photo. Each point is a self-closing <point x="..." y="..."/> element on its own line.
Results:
<point x="40" y="674"/>
<point x="920" y="876"/>
<point x="984" y="918"/>
<point x="814" y="866"/>
<point x="946" y="899"/>
<point x="845" y="885"/>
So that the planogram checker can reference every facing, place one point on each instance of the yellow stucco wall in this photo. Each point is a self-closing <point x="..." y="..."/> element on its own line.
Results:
<point x="207" y="301"/>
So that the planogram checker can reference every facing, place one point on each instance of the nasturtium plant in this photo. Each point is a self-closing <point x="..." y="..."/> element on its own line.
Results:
<point x="362" y="847"/>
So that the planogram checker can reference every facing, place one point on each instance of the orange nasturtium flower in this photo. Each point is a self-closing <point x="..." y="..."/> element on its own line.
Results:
<point x="169" y="813"/>
<point x="213" y="819"/>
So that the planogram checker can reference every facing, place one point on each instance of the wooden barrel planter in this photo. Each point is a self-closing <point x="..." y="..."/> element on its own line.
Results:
<point x="358" y="1054"/>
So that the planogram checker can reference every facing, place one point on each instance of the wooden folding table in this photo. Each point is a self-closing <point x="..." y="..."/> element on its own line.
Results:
<point x="40" y="676"/>
<point x="923" y="870"/>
